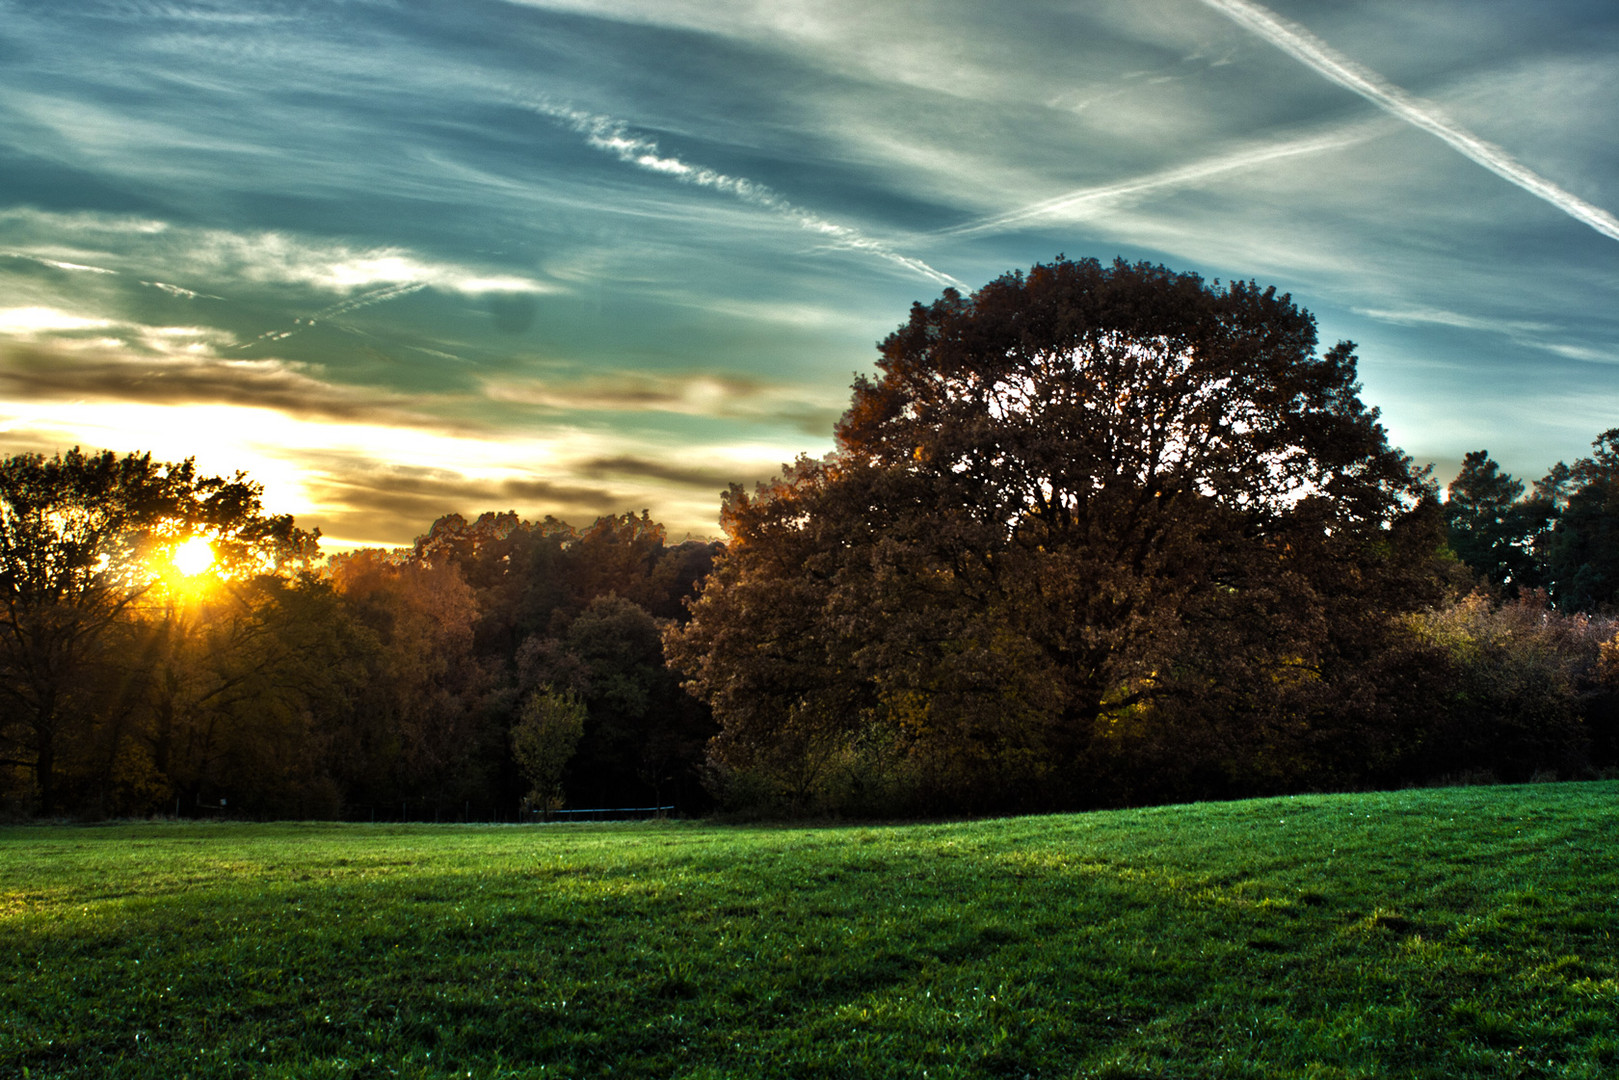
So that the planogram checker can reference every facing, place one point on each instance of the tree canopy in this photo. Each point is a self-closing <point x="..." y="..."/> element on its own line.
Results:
<point x="1562" y="537"/>
<point x="1492" y="527"/>
<point x="83" y="537"/>
<point x="1581" y="549"/>
<point x="1084" y="502"/>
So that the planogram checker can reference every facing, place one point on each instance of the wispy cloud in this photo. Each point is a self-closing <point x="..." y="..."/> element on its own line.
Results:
<point x="1524" y="332"/>
<point x="1248" y="157"/>
<point x="110" y="243"/>
<point x="81" y="222"/>
<point x="615" y="137"/>
<point x="237" y="264"/>
<point x="278" y="258"/>
<point x="1410" y="316"/>
<point x="178" y="291"/>
<point x="719" y="396"/>
<point x="57" y="264"/>
<point x="1315" y="53"/>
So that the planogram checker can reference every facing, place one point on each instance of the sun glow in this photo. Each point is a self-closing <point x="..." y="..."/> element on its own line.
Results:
<point x="195" y="556"/>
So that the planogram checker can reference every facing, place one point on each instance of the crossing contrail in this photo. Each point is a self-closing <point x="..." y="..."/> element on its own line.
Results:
<point x="1310" y="50"/>
<point x="1245" y="158"/>
<point x="343" y="307"/>
<point x="377" y="296"/>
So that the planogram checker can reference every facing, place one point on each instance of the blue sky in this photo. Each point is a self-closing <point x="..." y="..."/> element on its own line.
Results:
<point x="583" y="256"/>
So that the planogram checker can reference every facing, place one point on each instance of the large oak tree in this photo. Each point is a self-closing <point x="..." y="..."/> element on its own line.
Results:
<point x="1085" y="503"/>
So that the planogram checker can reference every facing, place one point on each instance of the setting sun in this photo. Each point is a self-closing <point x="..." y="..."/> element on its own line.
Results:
<point x="195" y="556"/>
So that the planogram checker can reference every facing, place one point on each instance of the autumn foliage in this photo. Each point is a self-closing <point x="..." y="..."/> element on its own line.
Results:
<point x="382" y="684"/>
<point x="1093" y="535"/>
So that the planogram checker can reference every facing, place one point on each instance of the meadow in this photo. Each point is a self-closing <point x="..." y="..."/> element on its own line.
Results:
<point x="1465" y="932"/>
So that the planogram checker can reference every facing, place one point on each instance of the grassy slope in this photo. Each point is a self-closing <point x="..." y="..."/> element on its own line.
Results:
<point x="1456" y="933"/>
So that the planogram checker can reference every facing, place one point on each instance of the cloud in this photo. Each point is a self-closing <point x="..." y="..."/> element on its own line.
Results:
<point x="1316" y="54"/>
<point x="945" y="49"/>
<point x="242" y="264"/>
<point x="1588" y="355"/>
<point x="424" y="494"/>
<point x="277" y="258"/>
<point x="361" y="501"/>
<point x="354" y="303"/>
<point x="82" y="223"/>
<point x="220" y="256"/>
<point x="712" y="478"/>
<point x="56" y="264"/>
<point x="1525" y="332"/>
<point x="178" y="292"/>
<point x="362" y="496"/>
<point x="718" y="396"/>
<point x="1441" y="317"/>
<point x="857" y="321"/>
<point x="614" y="137"/>
<point x="57" y="372"/>
<point x="38" y="321"/>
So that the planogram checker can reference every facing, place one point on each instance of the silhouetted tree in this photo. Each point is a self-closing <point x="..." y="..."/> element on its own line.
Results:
<point x="83" y="540"/>
<point x="1492" y="528"/>
<point x="418" y="728"/>
<point x="643" y="734"/>
<point x="1581" y="551"/>
<point x="573" y="609"/>
<point x="244" y="684"/>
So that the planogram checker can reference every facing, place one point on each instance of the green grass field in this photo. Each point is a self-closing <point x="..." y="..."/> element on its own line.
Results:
<point x="1453" y="933"/>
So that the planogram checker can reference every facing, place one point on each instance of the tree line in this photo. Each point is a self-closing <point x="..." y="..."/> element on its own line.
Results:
<point x="375" y="684"/>
<point x="1559" y="537"/>
<point x="1091" y="536"/>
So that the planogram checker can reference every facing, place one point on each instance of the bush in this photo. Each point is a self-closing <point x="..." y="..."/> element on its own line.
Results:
<point x="1517" y="684"/>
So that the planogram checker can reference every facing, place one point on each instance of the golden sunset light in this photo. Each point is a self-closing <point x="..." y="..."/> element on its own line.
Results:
<point x="879" y="538"/>
<point x="194" y="556"/>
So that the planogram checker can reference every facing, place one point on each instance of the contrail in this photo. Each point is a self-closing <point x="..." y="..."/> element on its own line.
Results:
<point x="1246" y="158"/>
<point x="354" y="303"/>
<point x="1315" y="53"/>
<point x="614" y="137"/>
<point x="390" y="292"/>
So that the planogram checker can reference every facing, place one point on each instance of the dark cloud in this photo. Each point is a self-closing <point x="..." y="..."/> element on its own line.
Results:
<point x="638" y="391"/>
<point x="381" y="503"/>
<point x="812" y="421"/>
<point x="666" y="471"/>
<point x="714" y="396"/>
<point x="550" y="493"/>
<point x="43" y="373"/>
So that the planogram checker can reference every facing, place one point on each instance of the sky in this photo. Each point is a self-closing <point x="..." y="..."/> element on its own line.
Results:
<point x="575" y="257"/>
